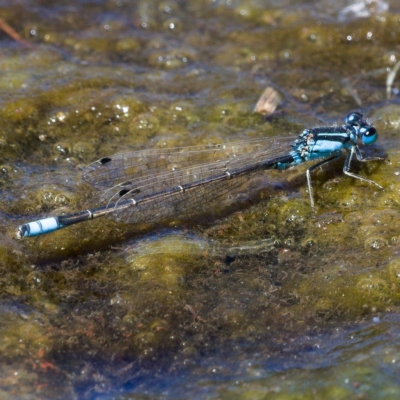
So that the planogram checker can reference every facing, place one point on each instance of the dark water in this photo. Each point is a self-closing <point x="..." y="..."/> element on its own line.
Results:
<point x="259" y="302"/>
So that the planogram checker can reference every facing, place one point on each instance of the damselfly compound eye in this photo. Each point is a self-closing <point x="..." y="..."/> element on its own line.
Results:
<point x="368" y="134"/>
<point x="354" y="118"/>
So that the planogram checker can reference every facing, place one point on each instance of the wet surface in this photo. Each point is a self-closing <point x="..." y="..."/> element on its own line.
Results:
<point x="256" y="299"/>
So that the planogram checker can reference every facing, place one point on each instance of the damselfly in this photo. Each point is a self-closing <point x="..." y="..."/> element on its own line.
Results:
<point x="158" y="184"/>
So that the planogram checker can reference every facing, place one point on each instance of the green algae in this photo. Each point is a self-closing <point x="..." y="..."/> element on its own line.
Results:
<point x="170" y="74"/>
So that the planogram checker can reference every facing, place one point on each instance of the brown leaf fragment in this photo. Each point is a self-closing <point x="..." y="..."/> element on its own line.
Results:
<point x="268" y="101"/>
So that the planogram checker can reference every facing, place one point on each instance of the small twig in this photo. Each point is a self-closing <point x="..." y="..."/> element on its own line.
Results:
<point x="13" y="34"/>
<point x="353" y="92"/>
<point x="390" y="79"/>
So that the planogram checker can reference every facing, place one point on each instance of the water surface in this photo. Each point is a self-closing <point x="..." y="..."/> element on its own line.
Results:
<point x="259" y="302"/>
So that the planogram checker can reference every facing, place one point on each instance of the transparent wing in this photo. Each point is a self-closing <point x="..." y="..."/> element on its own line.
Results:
<point x="145" y="173"/>
<point x="138" y="169"/>
<point x="179" y="205"/>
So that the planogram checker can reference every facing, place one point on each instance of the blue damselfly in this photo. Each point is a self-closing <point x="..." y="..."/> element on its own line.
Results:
<point x="157" y="184"/>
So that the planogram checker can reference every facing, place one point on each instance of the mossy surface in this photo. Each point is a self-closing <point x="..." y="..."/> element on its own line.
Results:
<point x="252" y="300"/>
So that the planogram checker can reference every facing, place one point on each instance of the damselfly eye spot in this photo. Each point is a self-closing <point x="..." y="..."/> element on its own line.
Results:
<point x="123" y="192"/>
<point x="354" y="118"/>
<point x="368" y="134"/>
<point x="105" y="160"/>
<point x="132" y="193"/>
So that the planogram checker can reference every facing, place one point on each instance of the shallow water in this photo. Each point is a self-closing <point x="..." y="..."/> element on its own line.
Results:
<point x="255" y="302"/>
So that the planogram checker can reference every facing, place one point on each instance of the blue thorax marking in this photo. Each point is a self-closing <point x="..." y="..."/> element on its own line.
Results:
<point x="319" y="143"/>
